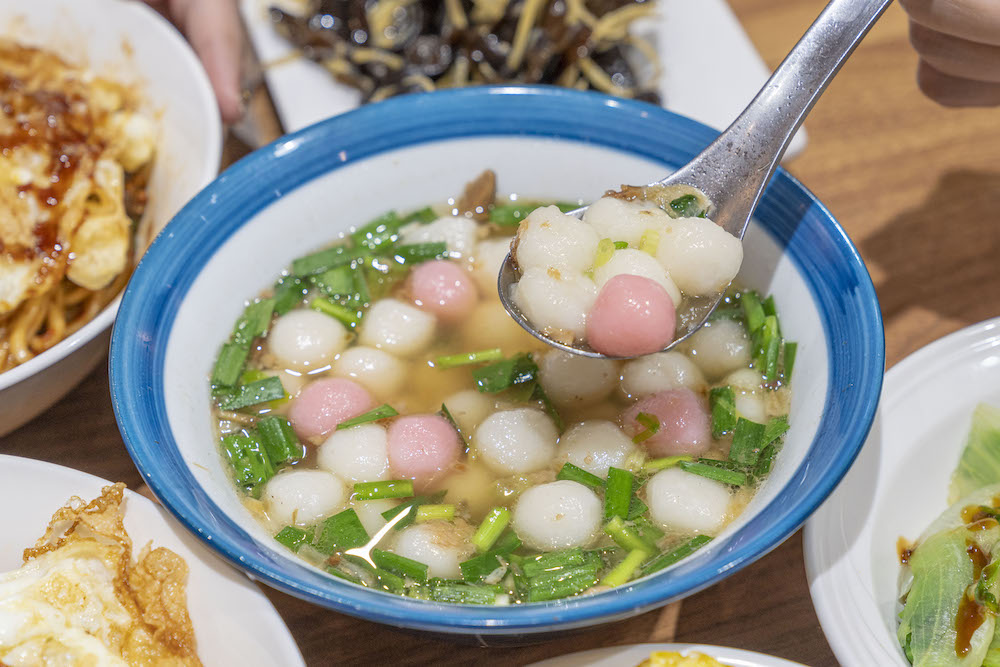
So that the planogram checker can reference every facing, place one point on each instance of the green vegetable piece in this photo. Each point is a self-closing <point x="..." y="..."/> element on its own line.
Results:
<point x="420" y="252"/>
<point x="461" y="593"/>
<point x="261" y="391"/>
<point x="554" y="586"/>
<point x="722" y="401"/>
<point x="576" y="474"/>
<point x="446" y="413"/>
<point x="415" y="502"/>
<point x="349" y="317"/>
<point x="383" y="411"/>
<point x="254" y="321"/>
<point x="423" y="215"/>
<point x="550" y="408"/>
<point x="686" y="206"/>
<point x="789" y="360"/>
<point x="324" y="260"/>
<point x="507" y="543"/>
<point x="229" y="365"/>
<point x="625" y="570"/>
<point x="627" y="537"/>
<point x="769" y="306"/>
<point x="656" y="465"/>
<point x="293" y="537"/>
<point x="980" y="462"/>
<point x="466" y="358"/>
<point x="340" y="532"/>
<point x="621" y="245"/>
<point x="397" y="488"/>
<point x="715" y="473"/>
<point x="399" y="565"/>
<point x="288" y="292"/>
<point x="250" y="463"/>
<point x="734" y="313"/>
<point x="490" y="529"/>
<point x="636" y="508"/>
<point x="769" y="348"/>
<point x="748" y="439"/>
<point x="510" y="215"/>
<point x="434" y="513"/>
<point x="279" y="439"/>
<point x="605" y="249"/>
<point x="479" y="567"/>
<point x="340" y="574"/>
<point x="335" y="282"/>
<point x="753" y="311"/>
<point x="390" y="581"/>
<point x="553" y="560"/>
<point x="676" y="555"/>
<point x="650" y="425"/>
<point x="618" y="493"/>
<point x="649" y="242"/>
<point x="765" y="462"/>
<point x="501" y="375"/>
<point x="647" y="529"/>
<point x="381" y="231"/>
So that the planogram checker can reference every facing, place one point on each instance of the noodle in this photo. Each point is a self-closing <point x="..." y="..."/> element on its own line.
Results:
<point x="74" y="165"/>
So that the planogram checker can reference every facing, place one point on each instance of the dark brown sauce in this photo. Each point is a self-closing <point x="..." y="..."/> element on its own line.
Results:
<point x="904" y="548"/>
<point x="978" y="558"/>
<point x="971" y="615"/>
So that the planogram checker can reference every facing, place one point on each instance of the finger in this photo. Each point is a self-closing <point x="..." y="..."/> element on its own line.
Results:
<point x="955" y="56"/>
<point x="951" y="91"/>
<point x="974" y="20"/>
<point x="213" y="27"/>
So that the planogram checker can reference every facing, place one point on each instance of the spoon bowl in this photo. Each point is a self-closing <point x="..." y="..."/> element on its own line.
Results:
<point x="734" y="170"/>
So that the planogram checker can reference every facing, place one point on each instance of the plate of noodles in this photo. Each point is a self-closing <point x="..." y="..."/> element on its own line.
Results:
<point x="324" y="58"/>
<point x="158" y="591"/>
<point x="97" y="154"/>
<point x="667" y="655"/>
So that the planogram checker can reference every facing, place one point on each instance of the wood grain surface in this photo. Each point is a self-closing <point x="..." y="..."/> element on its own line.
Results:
<point x="915" y="185"/>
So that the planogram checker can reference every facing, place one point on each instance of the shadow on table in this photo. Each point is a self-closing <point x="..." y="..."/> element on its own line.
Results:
<point x="943" y="254"/>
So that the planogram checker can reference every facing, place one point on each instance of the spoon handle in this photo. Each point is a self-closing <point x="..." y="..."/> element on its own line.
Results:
<point x="736" y="167"/>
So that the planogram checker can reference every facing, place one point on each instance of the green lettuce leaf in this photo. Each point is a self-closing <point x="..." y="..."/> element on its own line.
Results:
<point x="980" y="463"/>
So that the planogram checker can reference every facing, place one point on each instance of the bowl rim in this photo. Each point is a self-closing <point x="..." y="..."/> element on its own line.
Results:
<point x="186" y="58"/>
<point x="624" y="125"/>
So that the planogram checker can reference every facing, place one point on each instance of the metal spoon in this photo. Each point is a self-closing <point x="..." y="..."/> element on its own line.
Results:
<point x="735" y="168"/>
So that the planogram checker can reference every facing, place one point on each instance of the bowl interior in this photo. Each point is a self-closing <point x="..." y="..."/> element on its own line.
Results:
<point x="302" y="191"/>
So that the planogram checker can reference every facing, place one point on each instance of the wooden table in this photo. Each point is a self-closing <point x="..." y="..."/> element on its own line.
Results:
<point x="918" y="189"/>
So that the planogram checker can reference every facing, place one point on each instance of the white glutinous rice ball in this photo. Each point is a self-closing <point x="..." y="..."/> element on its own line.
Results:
<point x="621" y="220"/>
<point x="370" y="513"/>
<point x="550" y="238"/>
<point x="573" y="380"/>
<point x="440" y="545"/>
<point x="304" y="338"/>
<point x="516" y="441"/>
<point x="631" y="262"/>
<point x="376" y="370"/>
<point x="486" y="264"/>
<point x="459" y="233"/>
<point x="558" y="515"/>
<point x="356" y="454"/>
<point x="596" y="446"/>
<point x="702" y="257"/>
<point x="303" y="497"/>
<point x="556" y="303"/>
<point x="686" y="502"/>
<point x="659" y="372"/>
<point x="719" y="347"/>
<point x="749" y="394"/>
<point x="397" y="327"/>
<point x="468" y="408"/>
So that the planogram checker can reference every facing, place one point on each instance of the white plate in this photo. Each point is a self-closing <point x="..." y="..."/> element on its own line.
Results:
<point x="709" y="82"/>
<point x="898" y="485"/>
<point x="234" y="622"/>
<point x="624" y="656"/>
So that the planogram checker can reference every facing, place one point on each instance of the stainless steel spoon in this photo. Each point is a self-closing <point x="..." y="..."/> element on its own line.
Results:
<point x="735" y="168"/>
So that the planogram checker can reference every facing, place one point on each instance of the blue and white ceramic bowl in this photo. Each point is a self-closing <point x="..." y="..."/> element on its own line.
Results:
<point x="298" y="193"/>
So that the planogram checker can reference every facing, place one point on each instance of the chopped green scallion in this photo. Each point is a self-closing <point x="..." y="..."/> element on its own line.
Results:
<point x="650" y="426"/>
<point x="254" y="321"/>
<point x="279" y="439"/>
<point x="490" y="529"/>
<point x="383" y="411"/>
<point x="753" y="312"/>
<point x="229" y="365"/>
<point x="340" y="532"/>
<point x="686" y="206"/>
<point x="250" y="462"/>
<point x="399" y="565"/>
<point x="605" y="249"/>
<point x="389" y="581"/>
<point x="657" y="465"/>
<point x="636" y="508"/>
<point x="625" y="570"/>
<point x="562" y="584"/>
<point x="621" y="245"/>
<point x="479" y="567"/>
<point x="423" y="215"/>
<point x="461" y="593"/>
<point x="324" y="260"/>
<point x="552" y="560"/>
<point x="618" y="493"/>
<point x="381" y="231"/>
<point x="722" y="402"/>
<point x="627" y="537"/>
<point x="789" y="361"/>
<point x="466" y="358"/>
<point x="677" y="554"/>
<point x="397" y="488"/>
<point x="712" y="472"/>
<point x="574" y="473"/>
<point x="550" y="407"/>
<point x="261" y="391"/>
<point x="293" y="537"/>
<point x="420" y="252"/>
<point x="649" y="242"/>
<point x="288" y="292"/>
<point x="434" y="512"/>
<point x="335" y="282"/>
<point x="349" y="317"/>
<point x="502" y="375"/>
<point x="748" y="439"/>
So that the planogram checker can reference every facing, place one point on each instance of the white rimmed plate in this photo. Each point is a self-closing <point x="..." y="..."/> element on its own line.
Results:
<point x="710" y="85"/>
<point x="233" y="620"/>
<point x="623" y="656"/>
<point x="897" y="486"/>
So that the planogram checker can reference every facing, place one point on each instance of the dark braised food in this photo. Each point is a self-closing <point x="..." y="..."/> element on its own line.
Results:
<point x="391" y="47"/>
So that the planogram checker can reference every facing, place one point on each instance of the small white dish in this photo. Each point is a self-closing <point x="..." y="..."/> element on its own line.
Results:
<point x="623" y="656"/>
<point x="896" y="488"/>
<point x="710" y="85"/>
<point x="233" y="620"/>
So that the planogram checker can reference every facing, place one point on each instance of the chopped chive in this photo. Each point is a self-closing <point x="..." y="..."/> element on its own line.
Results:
<point x="446" y="413"/>
<point x="381" y="231"/>
<point x="753" y="312"/>
<point x="349" y="317"/>
<point x="335" y="282"/>
<point x="618" y="493"/>
<point x="254" y="321"/>
<point x="621" y="245"/>
<point x="650" y="426"/>
<point x="340" y="574"/>
<point x="789" y="362"/>
<point x="747" y="442"/>
<point x="769" y="306"/>
<point x="340" y="532"/>
<point x="727" y="313"/>
<point x="229" y="365"/>
<point x="636" y="508"/>
<point x="288" y="292"/>
<point x="764" y="462"/>
<point x="391" y="513"/>
<point x="677" y="554"/>
<point x="250" y="463"/>
<point x="686" y="206"/>
<point x="479" y="567"/>
<point x="722" y="401"/>
<point x="507" y="543"/>
<point x="383" y="411"/>
<point x="647" y="530"/>
<point x="501" y="375"/>
<point x="550" y="407"/>
<point x="548" y="577"/>
<point x="293" y="537"/>
<point x="776" y="427"/>
<point x="399" y="565"/>
<point x="397" y="488"/>
<point x="724" y="465"/>
<point x="466" y="358"/>
<point x="605" y="249"/>
<point x="552" y="560"/>
<point x="769" y="347"/>
<point x="649" y="242"/>
<point x="718" y="474"/>
<point x="324" y="260"/>
<point x="434" y="512"/>
<point x="279" y="439"/>
<point x="362" y="295"/>
<point x="462" y="593"/>
<point x="390" y="581"/>
<point x="510" y="215"/>
<point x="491" y="528"/>
<point x="657" y="465"/>
<point x="420" y="252"/>
<point x="626" y="536"/>
<point x="625" y="570"/>
<point x="576" y="474"/>
<point x="423" y="215"/>
<point x="570" y="582"/>
<point x="261" y="391"/>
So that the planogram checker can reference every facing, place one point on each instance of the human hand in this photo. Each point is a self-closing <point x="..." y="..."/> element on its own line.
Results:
<point x="959" y="46"/>
<point x="214" y="29"/>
